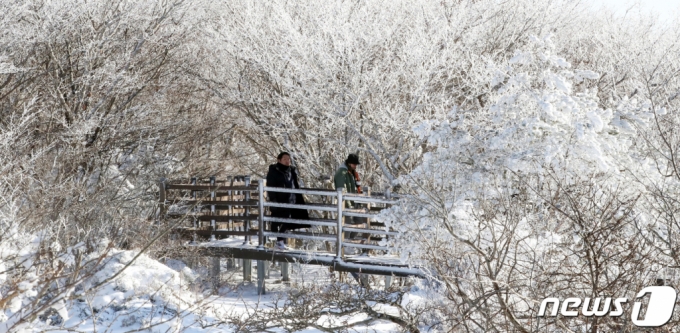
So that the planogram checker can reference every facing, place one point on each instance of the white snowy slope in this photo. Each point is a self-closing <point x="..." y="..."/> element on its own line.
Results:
<point x="149" y="296"/>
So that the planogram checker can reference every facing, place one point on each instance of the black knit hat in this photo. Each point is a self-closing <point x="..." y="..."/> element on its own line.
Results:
<point x="352" y="159"/>
<point x="282" y="154"/>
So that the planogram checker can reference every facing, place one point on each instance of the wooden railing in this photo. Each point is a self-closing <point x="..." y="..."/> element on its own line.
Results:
<point x="230" y="202"/>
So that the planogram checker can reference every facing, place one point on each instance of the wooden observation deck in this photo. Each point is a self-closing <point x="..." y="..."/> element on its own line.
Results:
<point x="229" y="219"/>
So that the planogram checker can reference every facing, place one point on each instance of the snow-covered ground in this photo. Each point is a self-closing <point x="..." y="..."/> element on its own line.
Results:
<point x="155" y="297"/>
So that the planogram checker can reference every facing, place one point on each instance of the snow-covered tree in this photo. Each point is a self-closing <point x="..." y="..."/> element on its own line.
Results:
<point x="535" y="141"/>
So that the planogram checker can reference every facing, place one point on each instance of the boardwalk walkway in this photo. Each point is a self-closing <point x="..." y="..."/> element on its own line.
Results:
<point x="229" y="219"/>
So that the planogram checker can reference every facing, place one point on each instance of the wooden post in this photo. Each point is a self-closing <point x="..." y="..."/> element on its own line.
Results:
<point x="237" y="194"/>
<point x="193" y="197"/>
<point x="161" y="199"/>
<point x="260" y="277"/>
<point x="216" y="274"/>
<point x="326" y="214"/>
<point x="161" y="190"/>
<point x="260" y="218"/>
<point x="247" y="270"/>
<point x="247" y="263"/>
<point x="195" y="220"/>
<point x="212" y="208"/>
<point x="285" y="271"/>
<point x="230" y="211"/>
<point x="363" y="280"/>
<point x="246" y="226"/>
<point x="260" y="238"/>
<point x="338" y="243"/>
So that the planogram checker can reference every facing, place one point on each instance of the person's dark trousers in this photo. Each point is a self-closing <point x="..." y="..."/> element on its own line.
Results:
<point x="281" y="227"/>
<point x="298" y="214"/>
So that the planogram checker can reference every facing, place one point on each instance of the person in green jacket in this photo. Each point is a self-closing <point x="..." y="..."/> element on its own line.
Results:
<point x="344" y="177"/>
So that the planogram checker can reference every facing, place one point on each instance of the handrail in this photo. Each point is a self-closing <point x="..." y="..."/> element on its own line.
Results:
<point x="299" y="191"/>
<point x="366" y="246"/>
<point x="260" y="203"/>
<point x="330" y="193"/>
<point x="322" y="207"/>
<point x="365" y="199"/>
<point x="296" y="221"/>
<point x="371" y="231"/>
<point x="209" y="187"/>
<point x="299" y="236"/>
<point x="352" y="214"/>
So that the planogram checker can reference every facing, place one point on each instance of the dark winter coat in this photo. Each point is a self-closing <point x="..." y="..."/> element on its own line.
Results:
<point x="281" y="176"/>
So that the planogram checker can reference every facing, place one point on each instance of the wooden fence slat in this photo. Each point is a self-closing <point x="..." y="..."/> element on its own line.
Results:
<point x="206" y="232"/>
<point x="217" y="218"/>
<point x="302" y="235"/>
<point x="209" y="187"/>
<point x="222" y="203"/>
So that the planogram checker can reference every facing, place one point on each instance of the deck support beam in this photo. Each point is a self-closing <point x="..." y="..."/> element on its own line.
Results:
<point x="215" y="274"/>
<point x="346" y="265"/>
<point x="260" y="276"/>
<point x="285" y="272"/>
<point x="247" y="270"/>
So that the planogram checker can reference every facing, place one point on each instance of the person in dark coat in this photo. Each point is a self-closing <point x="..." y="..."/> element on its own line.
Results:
<point x="282" y="174"/>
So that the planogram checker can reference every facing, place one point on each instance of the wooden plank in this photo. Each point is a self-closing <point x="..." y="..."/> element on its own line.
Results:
<point x="208" y="181"/>
<point x="217" y="218"/>
<point x="209" y="188"/>
<point x="371" y="231"/>
<point x="307" y="191"/>
<point x="218" y="233"/>
<point x="353" y="214"/>
<point x="319" y="222"/>
<point x="226" y="194"/>
<point x="220" y="203"/>
<point x="365" y="246"/>
<point x="314" y="206"/>
<point x="226" y="218"/>
<point x="365" y="199"/>
<point x="361" y="237"/>
<point x="306" y="258"/>
<point x="302" y="235"/>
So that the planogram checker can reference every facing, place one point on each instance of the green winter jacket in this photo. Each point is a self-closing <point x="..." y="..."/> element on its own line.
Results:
<point x="345" y="179"/>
